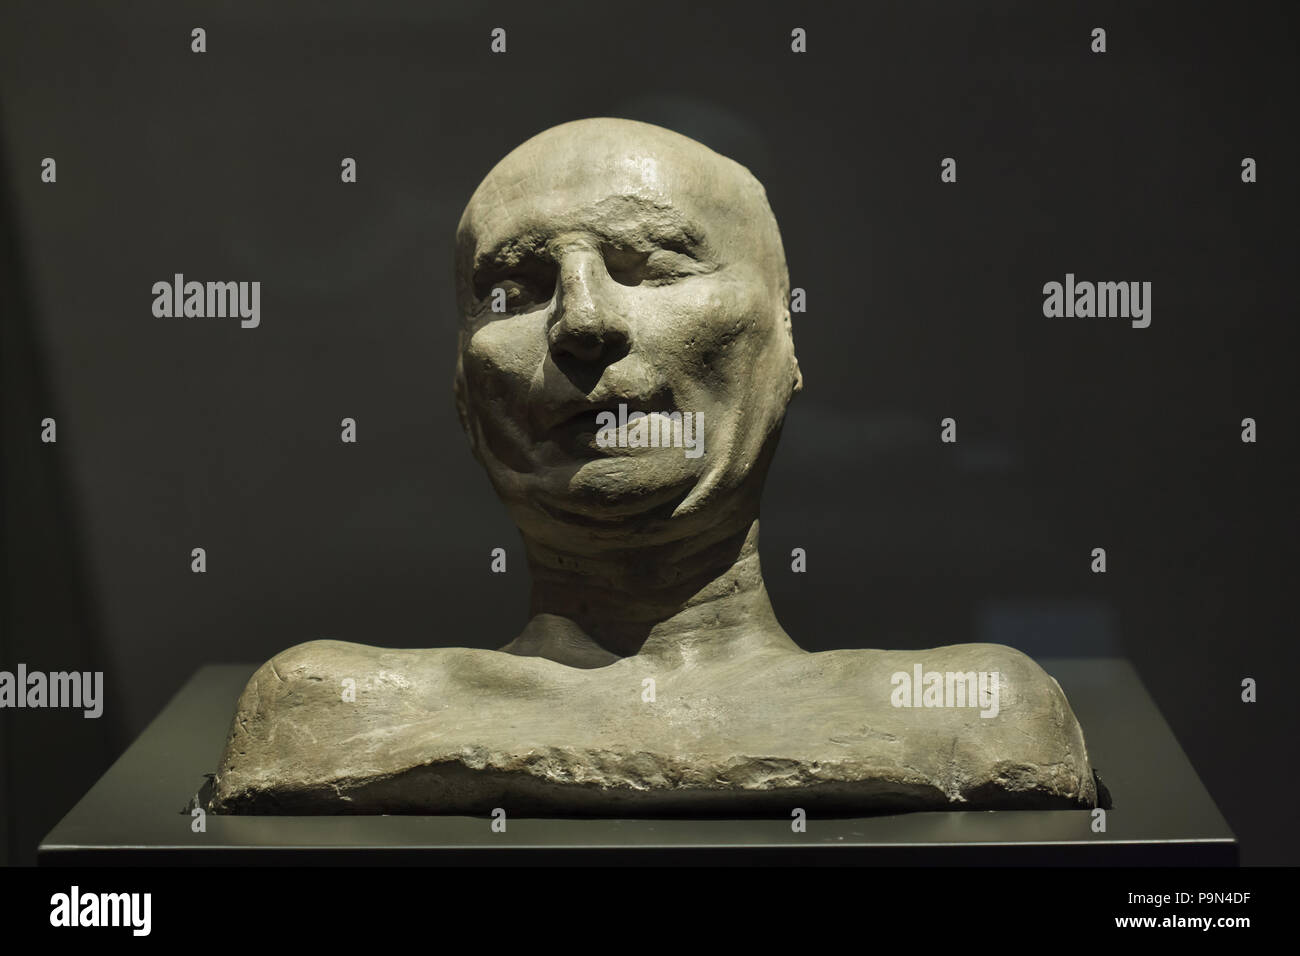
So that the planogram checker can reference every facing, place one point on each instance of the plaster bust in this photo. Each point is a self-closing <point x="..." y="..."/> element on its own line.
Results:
<point x="624" y="293"/>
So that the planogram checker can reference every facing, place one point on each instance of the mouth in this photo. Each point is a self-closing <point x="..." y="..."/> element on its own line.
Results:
<point x="575" y="428"/>
<point x="583" y="419"/>
<point x="575" y="424"/>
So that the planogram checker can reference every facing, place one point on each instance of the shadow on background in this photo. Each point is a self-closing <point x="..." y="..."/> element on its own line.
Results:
<point x="47" y="619"/>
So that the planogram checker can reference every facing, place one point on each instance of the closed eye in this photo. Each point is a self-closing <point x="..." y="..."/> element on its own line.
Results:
<point x="524" y="286"/>
<point x="652" y="267"/>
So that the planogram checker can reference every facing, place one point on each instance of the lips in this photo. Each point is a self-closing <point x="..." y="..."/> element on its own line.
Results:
<point x="584" y="417"/>
<point x="579" y="416"/>
<point x="573" y="428"/>
<point x="577" y="411"/>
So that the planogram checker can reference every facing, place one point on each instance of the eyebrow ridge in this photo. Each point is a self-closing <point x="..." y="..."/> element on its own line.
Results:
<point x="628" y="221"/>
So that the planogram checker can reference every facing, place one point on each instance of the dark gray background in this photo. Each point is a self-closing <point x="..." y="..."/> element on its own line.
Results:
<point x="924" y="302"/>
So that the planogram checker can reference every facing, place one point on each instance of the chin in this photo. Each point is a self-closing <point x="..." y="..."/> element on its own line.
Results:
<point x="561" y="505"/>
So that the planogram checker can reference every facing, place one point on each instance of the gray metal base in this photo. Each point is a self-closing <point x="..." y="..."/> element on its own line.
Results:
<point x="1161" y="815"/>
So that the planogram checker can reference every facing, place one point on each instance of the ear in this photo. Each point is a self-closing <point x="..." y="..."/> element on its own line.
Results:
<point x="797" y="384"/>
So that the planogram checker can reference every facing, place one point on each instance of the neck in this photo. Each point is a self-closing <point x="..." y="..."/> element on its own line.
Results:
<point x="687" y="602"/>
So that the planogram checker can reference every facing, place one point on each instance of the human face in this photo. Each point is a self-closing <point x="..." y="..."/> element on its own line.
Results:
<point x="631" y="275"/>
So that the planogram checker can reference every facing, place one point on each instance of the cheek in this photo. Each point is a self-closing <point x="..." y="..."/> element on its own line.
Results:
<point x="501" y="358"/>
<point x="716" y="329"/>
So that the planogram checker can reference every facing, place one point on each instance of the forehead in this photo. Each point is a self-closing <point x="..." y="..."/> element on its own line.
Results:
<point x="626" y="191"/>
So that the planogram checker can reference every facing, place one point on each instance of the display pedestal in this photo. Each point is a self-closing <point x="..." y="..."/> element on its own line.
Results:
<point x="1162" y="815"/>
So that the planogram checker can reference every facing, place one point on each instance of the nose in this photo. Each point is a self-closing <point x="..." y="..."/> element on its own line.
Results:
<point x="586" y="323"/>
